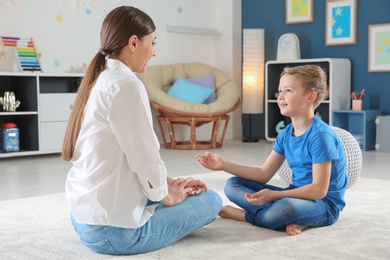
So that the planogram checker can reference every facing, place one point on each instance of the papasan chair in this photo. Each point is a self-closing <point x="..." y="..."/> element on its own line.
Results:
<point x="353" y="156"/>
<point x="158" y="80"/>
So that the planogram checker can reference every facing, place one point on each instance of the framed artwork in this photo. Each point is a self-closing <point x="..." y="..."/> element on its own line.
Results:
<point x="379" y="47"/>
<point x="299" y="11"/>
<point x="340" y="22"/>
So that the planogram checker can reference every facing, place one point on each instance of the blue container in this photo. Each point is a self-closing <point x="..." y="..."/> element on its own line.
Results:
<point x="10" y="137"/>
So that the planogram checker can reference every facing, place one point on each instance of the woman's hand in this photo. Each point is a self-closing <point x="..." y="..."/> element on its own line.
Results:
<point x="211" y="161"/>
<point x="197" y="186"/>
<point x="262" y="197"/>
<point x="180" y="189"/>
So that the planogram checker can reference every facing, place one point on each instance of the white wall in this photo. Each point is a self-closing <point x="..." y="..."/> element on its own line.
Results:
<point x="229" y="58"/>
<point x="74" y="40"/>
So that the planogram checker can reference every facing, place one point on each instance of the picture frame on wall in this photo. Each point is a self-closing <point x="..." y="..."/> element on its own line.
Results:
<point x="340" y="22"/>
<point x="299" y="11"/>
<point x="379" y="47"/>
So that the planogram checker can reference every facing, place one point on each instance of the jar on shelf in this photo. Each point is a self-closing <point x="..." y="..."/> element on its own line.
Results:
<point x="10" y="137"/>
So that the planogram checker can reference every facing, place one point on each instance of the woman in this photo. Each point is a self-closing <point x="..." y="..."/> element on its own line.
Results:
<point x="120" y="197"/>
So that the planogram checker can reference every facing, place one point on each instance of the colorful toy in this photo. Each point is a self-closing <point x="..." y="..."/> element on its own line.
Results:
<point x="20" y="54"/>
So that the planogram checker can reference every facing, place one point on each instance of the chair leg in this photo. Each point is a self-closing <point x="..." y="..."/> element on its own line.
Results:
<point x="193" y="133"/>
<point x="227" y="118"/>
<point x="172" y="143"/>
<point x="215" y="131"/>
<point x="171" y="133"/>
<point x="193" y="144"/>
<point x="160" y="119"/>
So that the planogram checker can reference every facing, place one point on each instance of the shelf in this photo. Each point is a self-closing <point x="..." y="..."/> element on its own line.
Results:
<point x="20" y="113"/>
<point x="193" y="30"/>
<point x="339" y="84"/>
<point x="20" y="153"/>
<point x="361" y="124"/>
<point x="46" y="101"/>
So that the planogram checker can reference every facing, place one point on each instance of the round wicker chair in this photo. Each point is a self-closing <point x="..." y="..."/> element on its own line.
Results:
<point x="159" y="79"/>
<point x="353" y="156"/>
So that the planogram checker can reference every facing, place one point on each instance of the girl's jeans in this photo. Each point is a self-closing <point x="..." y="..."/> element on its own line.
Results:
<point x="166" y="226"/>
<point x="276" y="215"/>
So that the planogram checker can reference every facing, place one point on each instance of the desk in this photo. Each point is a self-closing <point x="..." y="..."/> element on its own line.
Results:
<point x="361" y="124"/>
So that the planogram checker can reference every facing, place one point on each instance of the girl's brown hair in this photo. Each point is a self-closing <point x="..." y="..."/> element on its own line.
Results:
<point x="313" y="78"/>
<point x="118" y="26"/>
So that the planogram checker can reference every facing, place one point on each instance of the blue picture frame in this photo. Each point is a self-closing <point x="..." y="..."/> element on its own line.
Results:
<point x="341" y="22"/>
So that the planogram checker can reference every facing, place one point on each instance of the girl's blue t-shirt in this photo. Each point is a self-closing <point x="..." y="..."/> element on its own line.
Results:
<point x="318" y="144"/>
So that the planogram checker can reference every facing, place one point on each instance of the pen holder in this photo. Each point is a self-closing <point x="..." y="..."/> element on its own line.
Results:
<point x="357" y="104"/>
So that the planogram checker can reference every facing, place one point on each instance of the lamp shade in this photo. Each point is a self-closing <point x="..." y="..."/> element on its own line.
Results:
<point x="253" y="71"/>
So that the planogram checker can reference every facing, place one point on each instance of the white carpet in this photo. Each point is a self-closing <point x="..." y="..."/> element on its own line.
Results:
<point x="39" y="228"/>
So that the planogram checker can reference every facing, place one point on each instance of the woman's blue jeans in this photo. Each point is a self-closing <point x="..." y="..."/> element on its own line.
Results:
<point x="166" y="226"/>
<point x="276" y="215"/>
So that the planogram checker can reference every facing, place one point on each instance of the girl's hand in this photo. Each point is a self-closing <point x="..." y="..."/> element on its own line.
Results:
<point x="211" y="161"/>
<point x="261" y="197"/>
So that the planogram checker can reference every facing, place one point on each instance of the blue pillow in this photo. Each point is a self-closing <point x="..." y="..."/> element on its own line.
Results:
<point x="207" y="81"/>
<point x="189" y="92"/>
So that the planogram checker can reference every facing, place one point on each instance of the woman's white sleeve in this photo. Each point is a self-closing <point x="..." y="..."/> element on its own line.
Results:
<point x="131" y="121"/>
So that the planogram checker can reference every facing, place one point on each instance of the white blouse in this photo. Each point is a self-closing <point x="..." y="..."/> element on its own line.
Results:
<point x="116" y="154"/>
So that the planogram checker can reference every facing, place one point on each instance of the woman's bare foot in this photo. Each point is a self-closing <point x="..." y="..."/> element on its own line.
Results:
<point x="294" y="229"/>
<point x="232" y="213"/>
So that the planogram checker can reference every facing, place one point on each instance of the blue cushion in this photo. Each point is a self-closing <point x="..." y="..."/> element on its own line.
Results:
<point x="207" y="81"/>
<point x="189" y="92"/>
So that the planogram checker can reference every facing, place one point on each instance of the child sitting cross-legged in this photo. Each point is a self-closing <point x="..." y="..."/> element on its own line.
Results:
<point x="313" y="151"/>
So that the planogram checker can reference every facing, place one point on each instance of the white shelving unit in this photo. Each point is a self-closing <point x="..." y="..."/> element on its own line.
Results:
<point x="339" y="83"/>
<point x="46" y="102"/>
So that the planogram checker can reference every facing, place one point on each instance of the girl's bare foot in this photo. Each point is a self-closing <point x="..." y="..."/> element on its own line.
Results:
<point x="294" y="229"/>
<point x="232" y="213"/>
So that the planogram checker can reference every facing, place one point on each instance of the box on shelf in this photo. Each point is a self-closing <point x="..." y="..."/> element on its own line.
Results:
<point x="10" y="137"/>
<point x="359" y="139"/>
<point x="382" y="135"/>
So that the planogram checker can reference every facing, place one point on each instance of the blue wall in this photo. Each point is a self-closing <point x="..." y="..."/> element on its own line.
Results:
<point x="271" y="16"/>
